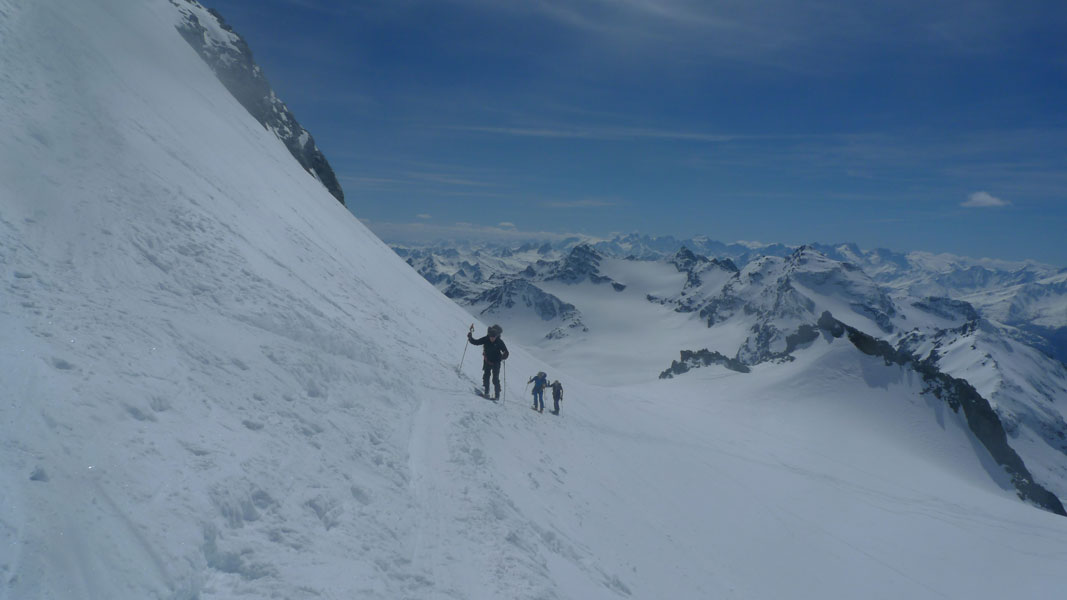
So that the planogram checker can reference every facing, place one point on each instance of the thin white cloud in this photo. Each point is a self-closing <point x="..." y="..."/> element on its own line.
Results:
<point x="983" y="200"/>
<point x="431" y="232"/>
<point x="413" y="178"/>
<point x="583" y="203"/>
<point x="423" y="216"/>
<point x="369" y="182"/>
<point x="601" y="133"/>
<point x="796" y="36"/>
<point x="506" y="225"/>
<point x="447" y="179"/>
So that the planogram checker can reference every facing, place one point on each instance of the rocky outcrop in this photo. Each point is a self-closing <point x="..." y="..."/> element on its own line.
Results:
<point x="230" y="58"/>
<point x="697" y="269"/>
<point x="701" y="358"/>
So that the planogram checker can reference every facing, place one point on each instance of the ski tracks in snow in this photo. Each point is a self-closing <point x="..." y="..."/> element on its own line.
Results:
<point x="426" y="444"/>
<point x="472" y="537"/>
<point x="457" y="540"/>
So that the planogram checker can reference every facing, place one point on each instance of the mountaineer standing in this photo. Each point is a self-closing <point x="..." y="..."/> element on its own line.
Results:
<point x="494" y="352"/>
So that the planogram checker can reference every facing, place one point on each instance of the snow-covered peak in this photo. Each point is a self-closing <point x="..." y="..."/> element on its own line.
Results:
<point x="581" y="264"/>
<point x="230" y="58"/>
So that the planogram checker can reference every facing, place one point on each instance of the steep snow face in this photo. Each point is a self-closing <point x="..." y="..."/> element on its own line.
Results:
<point x="209" y="366"/>
<point x="218" y="384"/>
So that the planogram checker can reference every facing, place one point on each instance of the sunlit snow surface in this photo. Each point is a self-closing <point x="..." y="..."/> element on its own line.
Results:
<point x="218" y="384"/>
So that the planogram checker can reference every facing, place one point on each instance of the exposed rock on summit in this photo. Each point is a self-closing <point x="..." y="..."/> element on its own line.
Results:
<point x="229" y="56"/>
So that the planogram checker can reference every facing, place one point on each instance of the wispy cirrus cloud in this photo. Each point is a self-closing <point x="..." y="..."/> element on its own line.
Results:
<point x="442" y="181"/>
<point x="581" y="203"/>
<point x="394" y="232"/>
<point x="984" y="200"/>
<point x="600" y="133"/>
<point x="447" y="179"/>
<point x="796" y="36"/>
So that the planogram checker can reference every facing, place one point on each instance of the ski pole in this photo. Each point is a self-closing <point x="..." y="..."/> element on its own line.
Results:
<point x="470" y="331"/>
<point x="504" y="376"/>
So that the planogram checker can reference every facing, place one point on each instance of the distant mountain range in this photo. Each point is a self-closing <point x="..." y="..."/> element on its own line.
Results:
<point x="1026" y="295"/>
<point x="996" y="326"/>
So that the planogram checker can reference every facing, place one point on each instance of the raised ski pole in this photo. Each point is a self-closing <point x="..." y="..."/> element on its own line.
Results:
<point x="469" y="331"/>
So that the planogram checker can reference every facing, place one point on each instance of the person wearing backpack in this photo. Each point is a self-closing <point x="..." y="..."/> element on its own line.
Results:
<point x="557" y="396"/>
<point x="494" y="352"/>
<point x="540" y="381"/>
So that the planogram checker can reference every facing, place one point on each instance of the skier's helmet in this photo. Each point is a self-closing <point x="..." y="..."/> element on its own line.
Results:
<point x="495" y="330"/>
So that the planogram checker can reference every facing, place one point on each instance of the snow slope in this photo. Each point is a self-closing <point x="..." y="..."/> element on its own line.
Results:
<point x="218" y="384"/>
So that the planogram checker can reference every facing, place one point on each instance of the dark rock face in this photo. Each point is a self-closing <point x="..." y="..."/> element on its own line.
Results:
<point x="686" y="260"/>
<point x="695" y="265"/>
<point x="702" y="358"/>
<point x="959" y="395"/>
<point x="231" y="59"/>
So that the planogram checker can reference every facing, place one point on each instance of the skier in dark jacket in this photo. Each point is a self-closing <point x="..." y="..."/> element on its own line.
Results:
<point x="494" y="352"/>
<point x="557" y="396"/>
<point x="540" y="382"/>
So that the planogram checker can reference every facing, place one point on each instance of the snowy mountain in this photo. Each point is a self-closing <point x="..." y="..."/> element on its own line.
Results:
<point x="1037" y="307"/>
<point x="1028" y="296"/>
<point x="229" y="56"/>
<point x="770" y="309"/>
<point x="219" y="384"/>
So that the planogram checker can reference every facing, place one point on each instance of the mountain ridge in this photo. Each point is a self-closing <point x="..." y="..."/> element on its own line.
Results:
<point x="230" y="58"/>
<point x="1023" y="294"/>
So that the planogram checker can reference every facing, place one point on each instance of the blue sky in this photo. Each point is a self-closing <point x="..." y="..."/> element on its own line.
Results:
<point x="935" y="126"/>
